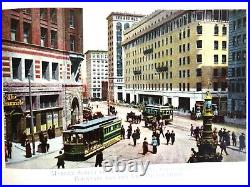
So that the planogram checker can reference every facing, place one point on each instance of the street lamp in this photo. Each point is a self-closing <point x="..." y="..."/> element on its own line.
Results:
<point x="31" y="116"/>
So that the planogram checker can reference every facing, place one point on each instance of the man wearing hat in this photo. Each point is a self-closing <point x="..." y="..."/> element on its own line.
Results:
<point x="154" y="143"/>
<point x="242" y="141"/>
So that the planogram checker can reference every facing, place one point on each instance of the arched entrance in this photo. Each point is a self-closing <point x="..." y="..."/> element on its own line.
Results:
<point x="74" y="111"/>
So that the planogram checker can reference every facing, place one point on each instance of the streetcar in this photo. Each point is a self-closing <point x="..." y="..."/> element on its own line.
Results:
<point x="158" y="112"/>
<point x="83" y="140"/>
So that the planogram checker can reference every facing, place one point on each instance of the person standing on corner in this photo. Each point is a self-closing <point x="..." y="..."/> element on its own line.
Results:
<point x="172" y="136"/>
<point x="134" y="137"/>
<point x="154" y="144"/>
<point x="99" y="159"/>
<point x="145" y="146"/>
<point x="60" y="160"/>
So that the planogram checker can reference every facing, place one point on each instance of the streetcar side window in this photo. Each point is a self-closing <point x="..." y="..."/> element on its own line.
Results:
<point x="80" y="138"/>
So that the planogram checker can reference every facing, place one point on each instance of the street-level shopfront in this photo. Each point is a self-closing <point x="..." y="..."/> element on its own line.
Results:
<point x="17" y="117"/>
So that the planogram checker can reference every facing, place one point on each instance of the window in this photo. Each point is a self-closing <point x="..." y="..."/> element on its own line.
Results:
<point x="239" y="23"/>
<point x="224" y="30"/>
<point x="26" y="32"/>
<point x="183" y="73"/>
<point x="184" y="60"/>
<point x="215" y="72"/>
<point x="223" y="72"/>
<point x="43" y="13"/>
<point x="179" y="61"/>
<point x="199" y="15"/>
<point x="53" y="39"/>
<point x="198" y="86"/>
<point x="184" y="47"/>
<point x="55" y="71"/>
<point x="233" y="72"/>
<point x="179" y="74"/>
<point x="238" y="39"/>
<point x="16" y="68"/>
<point x="184" y="34"/>
<point x="180" y="36"/>
<point x="14" y="30"/>
<point x="199" y="58"/>
<point x="26" y="10"/>
<point x="179" y="86"/>
<point x="170" y="86"/>
<point x="215" y="86"/>
<point x="179" y="48"/>
<point x="238" y="72"/>
<point x="75" y="73"/>
<point x="188" y="87"/>
<point x="183" y="86"/>
<point x="28" y="68"/>
<point x="244" y="22"/>
<point x="45" y="70"/>
<point x="53" y="15"/>
<point x="234" y="41"/>
<point x="72" y="43"/>
<point x="126" y="26"/>
<point x="216" y="45"/>
<point x="198" y="72"/>
<point x="223" y="86"/>
<point x="244" y="55"/>
<point x="224" y="59"/>
<point x="188" y="46"/>
<point x="72" y="19"/>
<point x="244" y="39"/>
<point x="239" y="55"/>
<point x="199" y="44"/>
<point x="188" y="73"/>
<point x="216" y="30"/>
<point x="216" y="59"/>
<point x="44" y="37"/>
<point x="224" y="45"/>
<point x="188" y="33"/>
<point x="188" y="60"/>
<point x="216" y="15"/>
<point x="199" y="29"/>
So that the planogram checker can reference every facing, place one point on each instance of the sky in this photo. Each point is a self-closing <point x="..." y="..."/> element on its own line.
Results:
<point x="95" y="31"/>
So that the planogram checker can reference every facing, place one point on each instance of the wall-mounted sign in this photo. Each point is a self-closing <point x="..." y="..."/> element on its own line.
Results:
<point x="12" y="100"/>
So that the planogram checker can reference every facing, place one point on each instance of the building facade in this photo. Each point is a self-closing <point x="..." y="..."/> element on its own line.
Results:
<point x="176" y="56"/>
<point x="97" y="71"/>
<point x="237" y="63"/>
<point x="46" y="46"/>
<point x="117" y="23"/>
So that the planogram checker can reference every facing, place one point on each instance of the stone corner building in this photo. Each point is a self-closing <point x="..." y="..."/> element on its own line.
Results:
<point x="48" y="43"/>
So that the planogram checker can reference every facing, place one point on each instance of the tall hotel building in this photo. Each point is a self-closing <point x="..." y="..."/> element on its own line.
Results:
<point x="46" y="45"/>
<point x="176" y="56"/>
<point x="237" y="63"/>
<point x="117" y="23"/>
<point x="97" y="72"/>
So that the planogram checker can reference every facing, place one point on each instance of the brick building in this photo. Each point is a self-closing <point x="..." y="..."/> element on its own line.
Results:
<point x="48" y="44"/>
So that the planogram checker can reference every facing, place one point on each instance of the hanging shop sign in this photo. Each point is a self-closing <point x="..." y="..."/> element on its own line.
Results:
<point x="12" y="100"/>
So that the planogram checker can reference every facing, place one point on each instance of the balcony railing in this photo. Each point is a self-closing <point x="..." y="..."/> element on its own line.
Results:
<point x="137" y="72"/>
<point x="162" y="69"/>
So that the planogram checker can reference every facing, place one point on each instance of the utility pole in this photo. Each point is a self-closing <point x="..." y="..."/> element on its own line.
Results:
<point x="31" y="117"/>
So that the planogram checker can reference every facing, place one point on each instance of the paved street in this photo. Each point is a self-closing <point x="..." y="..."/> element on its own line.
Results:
<point x="177" y="153"/>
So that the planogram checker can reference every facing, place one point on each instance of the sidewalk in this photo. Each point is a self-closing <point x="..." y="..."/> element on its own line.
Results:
<point x="18" y="152"/>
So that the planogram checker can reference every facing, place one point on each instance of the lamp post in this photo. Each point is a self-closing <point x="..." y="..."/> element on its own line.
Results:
<point x="31" y="117"/>
<point x="207" y="145"/>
